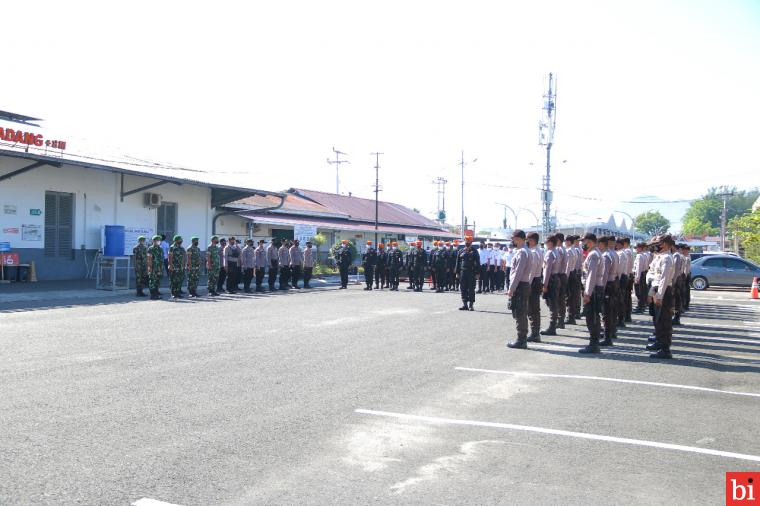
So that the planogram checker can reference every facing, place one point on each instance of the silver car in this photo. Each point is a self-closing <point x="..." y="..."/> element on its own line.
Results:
<point x="722" y="270"/>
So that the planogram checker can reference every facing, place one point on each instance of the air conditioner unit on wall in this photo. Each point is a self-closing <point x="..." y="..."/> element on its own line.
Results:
<point x="153" y="199"/>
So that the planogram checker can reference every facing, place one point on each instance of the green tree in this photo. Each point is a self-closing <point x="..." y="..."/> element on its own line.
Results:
<point x="651" y="223"/>
<point x="747" y="227"/>
<point x="703" y="215"/>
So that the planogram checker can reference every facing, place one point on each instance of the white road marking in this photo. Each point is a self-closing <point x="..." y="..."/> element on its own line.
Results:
<point x="151" y="502"/>
<point x="557" y="432"/>
<point x="601" y="378"/>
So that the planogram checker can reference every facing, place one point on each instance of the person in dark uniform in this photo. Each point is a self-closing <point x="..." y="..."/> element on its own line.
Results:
<point x="468" y="267"/>
<point x="519" y="288"/>
<point x="222" y="277"/>
<point x="408" y="265"/>
<point x="455" y="271"/>
<point x="419" y="259"/>
<point x="438" y="265"/>
<point x="395" y="262"/>
<point x="343" y="258"/>
<point x="369" y="259"/>
<point x="381" y="267"/>
<point x="432" y="254"/>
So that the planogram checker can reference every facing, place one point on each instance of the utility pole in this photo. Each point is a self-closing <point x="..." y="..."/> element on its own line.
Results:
<point x="337" y="163"/>
<point x="725" y="196"/>
<point x="441" y="191"/>
<point x="462" y="164"/>
<point x="546" y="138"/>
<point x="377" y="190"/>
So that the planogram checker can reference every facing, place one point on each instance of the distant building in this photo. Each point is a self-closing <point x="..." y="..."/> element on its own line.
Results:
<point x="609" y="227"/>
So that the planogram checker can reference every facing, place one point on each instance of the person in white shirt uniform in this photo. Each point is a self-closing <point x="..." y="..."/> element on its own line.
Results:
<point x="593" y="292"/>
<point x="519" y="288"/>
<point x="639" y="276"/>
<point x="484" y="256"/>
<point x="534" y="302"/>
<point x="661" y="297"/>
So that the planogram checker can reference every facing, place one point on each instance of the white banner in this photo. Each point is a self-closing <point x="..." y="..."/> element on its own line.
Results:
<point x="130" y="238"/>
<point x="304" y="233"/>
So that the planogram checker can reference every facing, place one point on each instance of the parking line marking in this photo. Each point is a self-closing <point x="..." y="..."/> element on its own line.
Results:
<point x="145" y="501"/>
<point x="601" y="378"/>
<point x="558" y="432"/>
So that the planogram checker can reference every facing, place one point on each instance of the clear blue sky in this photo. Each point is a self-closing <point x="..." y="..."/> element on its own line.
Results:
<point x="655" y="97"/>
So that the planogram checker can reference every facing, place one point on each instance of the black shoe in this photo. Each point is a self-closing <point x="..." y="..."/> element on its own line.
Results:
<point x="140" y="293"/>
<point x="519" y="345"/>
<point x="570" y="321"/>
<point x="534" y="338"/>
<point x="663" y="353"/>
<point x="676" y="322"/>
<point x="653" y="346"/>
<point x="628" y="319"/>
<point x="591" y="348"/>
<point x="463" y="308"/>
<point x="479" y="291"/>
<point x="561" y="325"/>
<point x="471" y="308"/>
<point x="621" y="325"/>
<point x="548" y="332"/>
<point x="607" y="342"/>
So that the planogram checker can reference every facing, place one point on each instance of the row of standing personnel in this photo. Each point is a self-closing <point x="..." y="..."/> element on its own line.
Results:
<point x="226" y="262"/>
<point x="598" y="276"/>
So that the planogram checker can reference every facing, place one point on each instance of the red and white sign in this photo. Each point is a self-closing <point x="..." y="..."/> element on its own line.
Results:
<point x="9" y="259"/>
<point x="30" y="138"/>
<point x="741" y="489"/>
<point x="12" y="230"/>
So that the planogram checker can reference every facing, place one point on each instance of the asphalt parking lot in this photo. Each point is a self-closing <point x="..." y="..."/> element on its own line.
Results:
<point x="352" y="397"/>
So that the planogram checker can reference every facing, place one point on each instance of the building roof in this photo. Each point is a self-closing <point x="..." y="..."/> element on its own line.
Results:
<point x="361" y="209"/>
<point x="293" y="204"/>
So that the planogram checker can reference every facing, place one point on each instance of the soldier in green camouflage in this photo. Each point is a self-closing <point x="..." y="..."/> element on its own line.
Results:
<point x="155" y="267"/>
<point x="140" y="253"/>
<point x="177" y="263"/>
<point x="193" y="267"/>
<point x="213" y="264"/>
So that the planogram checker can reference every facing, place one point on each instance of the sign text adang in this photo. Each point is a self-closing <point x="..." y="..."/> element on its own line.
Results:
<point x="32" y="139"/>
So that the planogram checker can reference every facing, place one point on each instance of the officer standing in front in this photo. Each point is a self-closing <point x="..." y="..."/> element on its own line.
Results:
<point x="369" y="259"/>
<point x="519" y="288"/>
<point x="140" y="253"/>
<point x="343" y="258"/>
<point x="419" y="263"/>
<point x="468" y="267"/>
<point x="593" y="292"/>
<point x="395" y="262"/>
<point x="661" y="298"/>
<point x="381" y="268"/>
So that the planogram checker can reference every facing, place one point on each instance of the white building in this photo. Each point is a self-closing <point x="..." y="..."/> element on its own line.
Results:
<point x="55" y="204"/>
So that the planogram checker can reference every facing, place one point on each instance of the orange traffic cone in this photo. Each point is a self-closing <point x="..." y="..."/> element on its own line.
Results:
<point x="753" y="293"/>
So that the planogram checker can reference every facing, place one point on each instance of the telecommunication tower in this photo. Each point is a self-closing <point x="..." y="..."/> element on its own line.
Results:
<point x="546" y="138"/>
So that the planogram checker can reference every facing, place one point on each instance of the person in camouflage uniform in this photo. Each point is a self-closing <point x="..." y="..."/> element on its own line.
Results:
<point x="155" y="267"/>
<point x="141" y="265"/>
<point x="213" y="263"/>
<point x="193" y="267"/>
<point x="177" y="263"/>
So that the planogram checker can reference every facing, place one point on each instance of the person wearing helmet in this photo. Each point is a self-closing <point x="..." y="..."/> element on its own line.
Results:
<point x="343" y="258"/>
<point x="140" y="253"/>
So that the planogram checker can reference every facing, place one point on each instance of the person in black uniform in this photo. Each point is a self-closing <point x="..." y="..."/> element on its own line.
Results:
<point x="468" y="267"/>
<point x="369" y="259"/>
<point x="420" y="264"/>
<point x="439" y="268"/>
<point x="395" y="262"/>
<point x="455" y="271"/>
<point x="381" y="266"/>
<point x="343" y="258"/>
<point x="408" y="260"/>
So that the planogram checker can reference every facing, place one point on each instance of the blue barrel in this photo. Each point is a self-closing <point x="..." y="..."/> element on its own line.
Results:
<point x="114" y="246"/>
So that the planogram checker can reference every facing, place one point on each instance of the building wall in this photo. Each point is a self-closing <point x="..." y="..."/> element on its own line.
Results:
<point x="97" y="203"/>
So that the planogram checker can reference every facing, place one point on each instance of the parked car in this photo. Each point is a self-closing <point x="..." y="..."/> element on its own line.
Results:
<point x="722" y="270"/>
<point x="694" y="256"/>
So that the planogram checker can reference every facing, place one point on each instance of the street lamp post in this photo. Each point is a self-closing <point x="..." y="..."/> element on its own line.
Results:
<point x="505" y="213"/>
<point x="538" y="222"/>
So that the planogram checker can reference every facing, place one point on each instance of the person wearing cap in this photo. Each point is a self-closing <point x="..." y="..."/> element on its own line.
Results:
<point x="408" y="264"/>
<point x="639" y="277"/>
<point x="593" y="292"/>
<point x="222" y="275"/>
<point x="468" y="267"/>
<point x="369" y="259"/>
<point x="155" y="267"/>
<point x="283" y="258"/>
<point x="561" y="253"/>
<point x="273" y="263"/>
<point x="678" y="280"/>
<point x="231" y="259"/>
<point x="519" y="288"/>
<point x="419" y="263"/>
<point x="686" y="297"/>
<point x="536" y="285"/>
<point x="309" y="259"/>
<point x="438" y="267"/>
<point x="260" y="264"/>
<point x="572" y="299"/>
<point x="395" y="262"/>
<point x="177" y="262"/>
<point x="611" y="289"/>
<point x="193" y="266"/>
<point x="140" y="252"/>
<point x="213" y="265"/>
<point x="296" y="263"/>
<point x="661" y="297"/>
<point x="247" y="258"/>
<point x="381" y="267"/>
<point x="551" y="282"/>
<point x="343" y="257"/>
